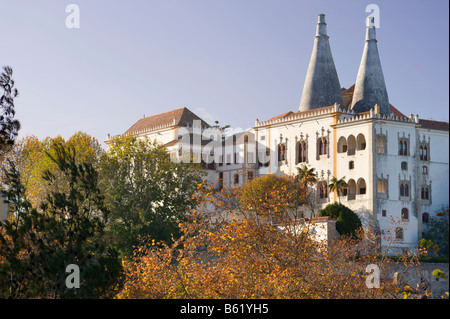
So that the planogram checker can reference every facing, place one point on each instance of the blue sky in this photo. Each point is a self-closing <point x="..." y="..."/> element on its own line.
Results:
<point x="230" y="60"/>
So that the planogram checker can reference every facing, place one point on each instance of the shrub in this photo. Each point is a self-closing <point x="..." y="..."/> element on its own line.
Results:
<point x="347" y="221"/>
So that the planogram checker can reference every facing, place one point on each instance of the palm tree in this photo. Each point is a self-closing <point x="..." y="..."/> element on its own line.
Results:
<point x="305" y="175"/>
<point x="338" y="185"/>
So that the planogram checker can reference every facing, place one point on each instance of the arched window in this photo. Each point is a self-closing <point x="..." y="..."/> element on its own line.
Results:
<point x="406" y="190"/>
<point x="325" y="146"/>
<point x="421" y="153"/>
<point x="425" y="218"/>
<point x="426" y="193"/>
<point x="361" y="186"/>
<point x="425" y="153"/>
<point x="402" y="190"/>
<point x="351" y="189"/>
<point x="351" y="142"/>
<point x="361" y="142"/>
<point x="405" y="214"/>
<point x="342" y="145"/>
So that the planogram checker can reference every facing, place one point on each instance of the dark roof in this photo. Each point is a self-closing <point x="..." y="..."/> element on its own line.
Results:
<point x="182" y="117"/>
<point x="434" y="125"/>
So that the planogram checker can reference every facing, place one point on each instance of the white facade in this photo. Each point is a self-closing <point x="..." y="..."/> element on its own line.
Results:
<point x="396" y="166"/>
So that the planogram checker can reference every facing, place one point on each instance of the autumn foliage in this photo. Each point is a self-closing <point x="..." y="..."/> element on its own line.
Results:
<point x="247" y="255"/>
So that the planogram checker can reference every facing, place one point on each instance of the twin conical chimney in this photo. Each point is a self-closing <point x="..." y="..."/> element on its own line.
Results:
<point x="321" y="86"/>
<point x="370" y="88"/>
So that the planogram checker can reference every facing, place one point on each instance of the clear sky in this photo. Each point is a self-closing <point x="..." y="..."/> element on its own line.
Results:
<point x="230" y="60"/>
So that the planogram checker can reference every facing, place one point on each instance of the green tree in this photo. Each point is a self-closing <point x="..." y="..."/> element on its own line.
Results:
<point x="347" y="221"/>
<point x="147" y="193"/>
<point x="29" y="156"/>
<point x="68" y="229"/>
<point x="437" y="230"/>
<point x="9" y="126"/>
<point x="306" y="176"/>
<point x="337" y="185"/>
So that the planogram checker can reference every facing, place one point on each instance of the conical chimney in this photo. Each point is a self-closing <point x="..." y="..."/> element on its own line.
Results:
<point x="370" y="88"/>
<point x="321" y="86"/>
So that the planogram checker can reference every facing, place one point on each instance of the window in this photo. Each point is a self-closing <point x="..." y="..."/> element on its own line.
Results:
<point x="425" y="218"/>
<point x="282" y="152"/>
<point x="263" y="137"/>
<point x="361" y="186"/>
<point x="379" y="145"/>
<point x="424" y="193"/>
<point x="405" y="214"/>
<point x="383" y="213"/>
<point x="404" y="189"/>
<point x="342" y="145"/>
<point x="361" y="142"/>
<point x="399" y="233"/>
<point x="228" y="159"/>
<point x="381" y="186"/>
<point x="322" y="146"/>
<point x="424" y="170"/>
<point x="351" y="142"/>
<point x="423" y="153"/>
<point x="403" y="147"/>
<point x="351" y="165"/>
<point x="236" y="178"/>
<point x="250" y="175"/>
<point x="323" y="190"/>
<point x="264" y="157"/>
<point x="301" y="152"/>
<point x="404" y="166"/>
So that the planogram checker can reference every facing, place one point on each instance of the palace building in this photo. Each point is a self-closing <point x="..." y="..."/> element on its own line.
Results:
<point x="396" y="165"/>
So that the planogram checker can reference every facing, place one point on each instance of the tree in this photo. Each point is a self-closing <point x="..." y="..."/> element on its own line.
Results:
<point x="247" y="257"/>
<point x="147" y="193"/>
<point x="306" y="175"/>
<point x="9" y="126"/>
<point x="437" y="230"/>
<point x="272" y="195"/>
<point x="68" y="229"/>
<point x="29" y="157"/>
<point x="347" y="222"/>
<point x="337" y="185"/>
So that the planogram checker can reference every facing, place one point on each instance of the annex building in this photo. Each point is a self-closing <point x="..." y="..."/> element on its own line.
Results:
<point x="396" y="164"/>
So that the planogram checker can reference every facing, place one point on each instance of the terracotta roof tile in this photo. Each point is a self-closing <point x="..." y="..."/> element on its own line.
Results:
<point x="434" y="125"/>
<point x="182" y="116"/>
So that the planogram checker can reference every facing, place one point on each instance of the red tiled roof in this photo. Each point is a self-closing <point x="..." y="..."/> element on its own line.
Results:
<point x="182" y="116"/>
<point x="434" y="125"/>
